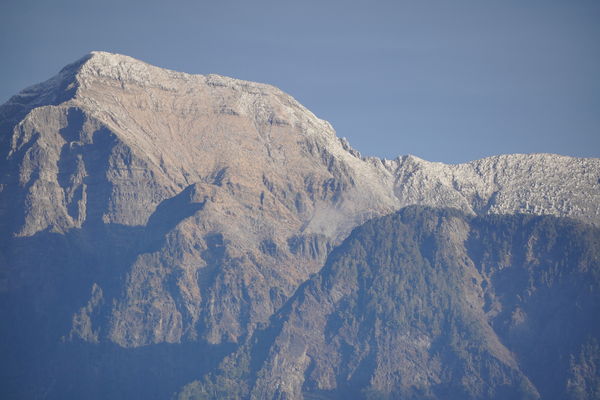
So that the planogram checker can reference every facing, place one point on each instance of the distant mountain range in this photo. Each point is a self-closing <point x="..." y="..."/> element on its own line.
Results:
<point x="173" y="235"/>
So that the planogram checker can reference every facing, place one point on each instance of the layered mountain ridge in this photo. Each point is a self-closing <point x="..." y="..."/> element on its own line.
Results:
<point x="164" y="117"/>
<point x="434" y="304"/>
<point x="141" y="206"/>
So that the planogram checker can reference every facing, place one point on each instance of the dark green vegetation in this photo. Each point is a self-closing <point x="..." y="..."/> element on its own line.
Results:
<point x="433" y="304"/>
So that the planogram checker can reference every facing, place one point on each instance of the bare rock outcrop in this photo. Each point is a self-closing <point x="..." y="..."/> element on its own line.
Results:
<point x="218" y="196"/>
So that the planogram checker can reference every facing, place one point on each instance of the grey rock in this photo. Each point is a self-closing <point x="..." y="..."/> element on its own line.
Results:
<point x="197" y="204"/>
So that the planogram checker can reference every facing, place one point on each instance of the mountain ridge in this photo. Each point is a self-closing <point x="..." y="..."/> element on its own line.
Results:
<point x="417" y="305"/>
<point x="99" y="82"/>
<point x="143" y="207"/>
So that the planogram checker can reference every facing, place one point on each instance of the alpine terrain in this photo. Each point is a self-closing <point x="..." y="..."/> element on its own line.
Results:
<point x="166" y="235"/>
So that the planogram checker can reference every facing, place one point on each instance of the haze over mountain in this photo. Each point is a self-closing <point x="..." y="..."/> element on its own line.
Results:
<point x="151" y="217"/>
<point x="434" y="304"/>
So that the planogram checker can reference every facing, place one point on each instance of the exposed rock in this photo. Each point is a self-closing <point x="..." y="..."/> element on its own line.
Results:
<point x="198" y="204"/>
<point x="433" y="304"/>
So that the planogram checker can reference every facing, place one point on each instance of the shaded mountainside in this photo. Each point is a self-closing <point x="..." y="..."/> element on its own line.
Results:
<point x="143" y="209"/>
<point x="232" y="192"/>
<point x="434" y="304"/>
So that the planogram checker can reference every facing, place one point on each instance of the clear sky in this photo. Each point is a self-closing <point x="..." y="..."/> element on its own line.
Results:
<point x="444" y="80"/>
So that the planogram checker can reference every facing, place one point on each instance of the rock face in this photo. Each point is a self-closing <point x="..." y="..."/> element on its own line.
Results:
<point x="433" y="304"/>
<point x="232" y="192"/>
<point x="141" y="206"/>
<point x="540" y="184"/>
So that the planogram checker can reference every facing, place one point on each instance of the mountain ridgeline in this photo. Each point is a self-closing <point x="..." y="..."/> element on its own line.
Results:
<point x="165" y="234"/>
<point x="433" y="304"/>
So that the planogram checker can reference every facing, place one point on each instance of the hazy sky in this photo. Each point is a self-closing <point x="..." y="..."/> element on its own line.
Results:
<point x="445" y="80"/>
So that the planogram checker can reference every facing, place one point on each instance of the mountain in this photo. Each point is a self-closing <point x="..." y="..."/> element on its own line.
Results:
<point x="159" y="218"/>
<point x="434" y="304"/>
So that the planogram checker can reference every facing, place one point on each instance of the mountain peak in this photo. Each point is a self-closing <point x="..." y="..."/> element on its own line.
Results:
<point x="98" y="66"/>
<point x="98" y="71"/>
<point x="115" y="57"/>
<point x="192" y="127"/>
<point x="140" y="206"/>
<point x="122" y="68"/>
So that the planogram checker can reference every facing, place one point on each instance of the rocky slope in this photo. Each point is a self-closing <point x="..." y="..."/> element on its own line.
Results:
<point x="433" y="304"/>
<point x="540" y="184"/>
<point x="240" y="187"/>
<point x="141" y="206"/>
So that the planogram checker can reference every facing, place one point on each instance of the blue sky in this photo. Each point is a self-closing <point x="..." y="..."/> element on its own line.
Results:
<point x="447" y="81"/>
